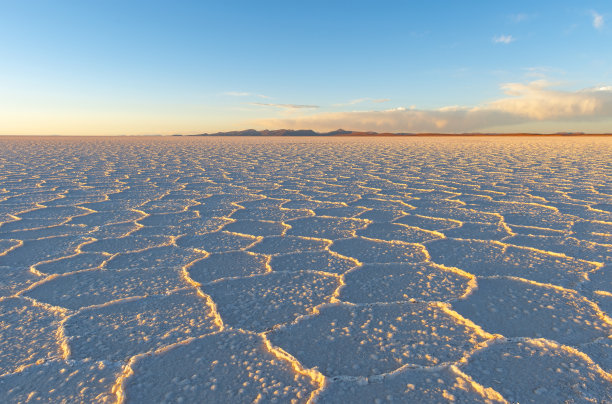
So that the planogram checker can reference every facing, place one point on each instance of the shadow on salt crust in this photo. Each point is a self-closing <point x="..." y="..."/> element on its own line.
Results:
<point x="374" y="251"/>
<point x="383" y="204"/>
<point x="600" y="351"/>
<point x="381" y="216"/>
<point x="227" y="265"/>
<point x="307" y="204"/>
<point x="186" y="227"/>
<point x="88" y="288"/>
<point x="53" y="213"/>
<point x="323" y="261"/>
<point x="534" y="310"/>
<point x="341" y="211"/>
<point x="539" y="371"/>
<point x="371" y="340"/>
<point x="490" y="258"/>
<point x="123" y="329"/>
<point x="288" y="244"/>
<point x="533" y="217"/>
<point x="106" y="218"/>
<point x="432" y="203"/>
<point x="569" y="246"/>
<point x="266" y="203"/>
<point x="125" y="244"/>
<point x="258" y="303"/>
<point x="224" y="367"/>
<point x="325" y="227"/>
<point x="13" y="280"/>
<point x="459" y="214"/>
<point x="221" y="201"/>
<point x="409" y="386"/>
<point x="7" y="245"/>
<point x="167" y="219"/>
<point x="156" y="258"/>
<point x="45" y="232"/>
<point x="116" y="207"/>
<point x="535" y="231"/>
<point x="271" y="214"/>
<point x="398" y="232"/>
<point x="256" y="228"/>
<point x="33" y="251"/>
<point x="28" y="334"/>
<point x="23" y="226"/>
<point x="114" y="230"/>
<point x="59" y="381"/>
<point x="427" y="223"/>
<point x="595" y="231"/>
<point x="168" y="206"/>
<point x="216" y="242"/>
<point x="600" y="280"/>
<point x="389" y="283"/>
<point x="481" y="231"/>
<point x="72" y="263"/>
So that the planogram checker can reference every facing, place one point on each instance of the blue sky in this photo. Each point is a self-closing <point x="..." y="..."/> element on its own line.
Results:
<point x="136" y="67"/>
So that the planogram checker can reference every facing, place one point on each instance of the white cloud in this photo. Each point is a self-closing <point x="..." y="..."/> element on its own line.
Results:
<point x="519" y="17"/>
<point x="531" y="102"/>
<point x="540" y="71"/>
<point x="285" y="106"/>
<point x="598" y="20"/>
<point x="243" y="94"/>
<point x="236" y="94"/>
<point x="362" y="100"/>
<point x="505" y="39"/>
<point x="352" y="102"/>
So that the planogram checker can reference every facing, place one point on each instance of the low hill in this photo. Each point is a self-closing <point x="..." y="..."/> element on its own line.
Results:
<point x="342" y="132"/>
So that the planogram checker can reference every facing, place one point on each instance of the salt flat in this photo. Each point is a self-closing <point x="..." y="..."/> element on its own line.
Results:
<point x="175" y="269"/>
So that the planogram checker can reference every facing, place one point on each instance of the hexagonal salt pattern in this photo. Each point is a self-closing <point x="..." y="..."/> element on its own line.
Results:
<point x="305" y="269"/>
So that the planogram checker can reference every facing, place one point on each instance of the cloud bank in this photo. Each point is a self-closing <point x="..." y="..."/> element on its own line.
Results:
<point x="532" y="102"/>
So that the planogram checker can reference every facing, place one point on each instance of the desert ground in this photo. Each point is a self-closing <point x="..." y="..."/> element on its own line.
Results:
<point x="331" y="270"/>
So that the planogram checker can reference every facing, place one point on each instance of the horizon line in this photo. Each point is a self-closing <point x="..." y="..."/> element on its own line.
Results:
<point x="337" y="133"/>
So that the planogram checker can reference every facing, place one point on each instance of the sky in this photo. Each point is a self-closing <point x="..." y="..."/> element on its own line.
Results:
<point x="186" y="67"/>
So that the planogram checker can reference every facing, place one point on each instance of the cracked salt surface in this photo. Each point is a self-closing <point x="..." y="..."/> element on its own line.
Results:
<point x="224" y="367"/>
<point x="380" y="338"/>
<point x="305" y="270"/>
<point x="62" y="382"/>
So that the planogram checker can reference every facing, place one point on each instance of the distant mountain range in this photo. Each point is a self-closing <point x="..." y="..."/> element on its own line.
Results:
<point x="342" y="132"/>
<point x="286" y="132"/>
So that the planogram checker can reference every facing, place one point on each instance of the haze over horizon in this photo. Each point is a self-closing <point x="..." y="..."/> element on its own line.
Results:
<point x="114" y="68"/>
